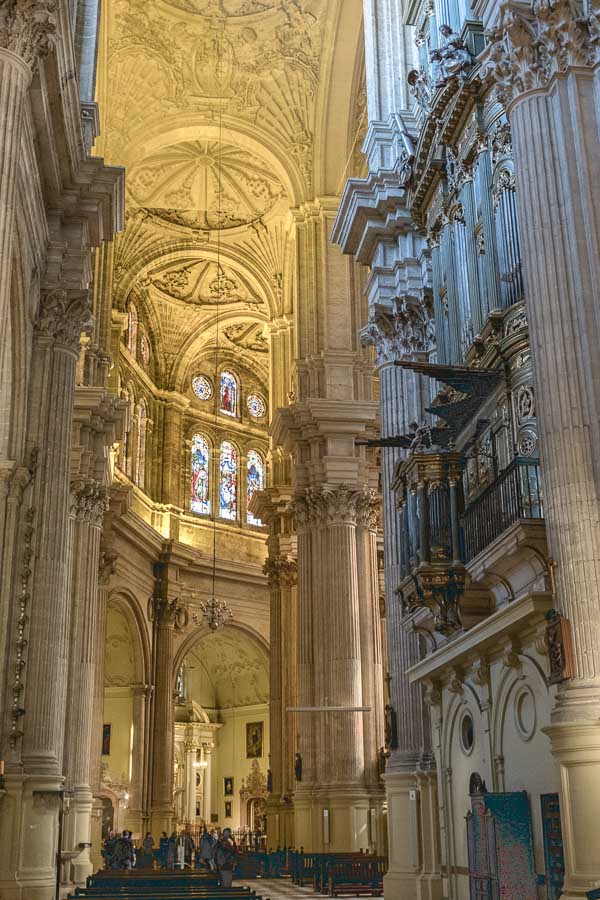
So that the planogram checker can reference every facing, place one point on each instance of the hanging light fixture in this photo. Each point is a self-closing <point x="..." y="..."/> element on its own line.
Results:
<point x="214" y="612"/>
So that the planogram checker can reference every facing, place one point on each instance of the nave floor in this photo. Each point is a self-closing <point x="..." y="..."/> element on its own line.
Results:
<point x="282" y="889"/>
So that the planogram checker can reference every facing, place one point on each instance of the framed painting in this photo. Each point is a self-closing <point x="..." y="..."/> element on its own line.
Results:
<point x="254" y="740"/>
<point x="106" y="729"/>
<point x="228" y="786"/>
<point x="228" y="809"/>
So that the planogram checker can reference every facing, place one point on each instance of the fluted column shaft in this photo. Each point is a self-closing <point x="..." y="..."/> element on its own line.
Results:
<point x="136" y="811"/>
<point x="15" y="77"/>
<point x="190" y="791"/>
<point x="88" y="503"/>
<point x="60" y="323"/>
<point x="550" y="83"/>
<point x="162" y="724"/>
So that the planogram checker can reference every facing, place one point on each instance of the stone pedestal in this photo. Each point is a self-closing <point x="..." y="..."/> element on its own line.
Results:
<point x="545" y="65"/>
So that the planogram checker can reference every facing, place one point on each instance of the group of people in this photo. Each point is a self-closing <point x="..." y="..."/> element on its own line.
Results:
<point x="119" y="851"/>
<point x="217" y="852"/>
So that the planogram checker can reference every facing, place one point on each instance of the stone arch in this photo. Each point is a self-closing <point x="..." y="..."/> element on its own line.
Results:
<point x="127" y="604"/>
<point x="201" y="631"/>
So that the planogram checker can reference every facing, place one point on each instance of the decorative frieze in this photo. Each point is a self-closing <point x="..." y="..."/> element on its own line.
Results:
<point x="28" y="28"/>
<point x="532" y="43"/>
<point x="63" y="317"/>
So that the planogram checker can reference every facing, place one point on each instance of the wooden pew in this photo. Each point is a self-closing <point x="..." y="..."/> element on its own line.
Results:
<point x="357" y="877"/>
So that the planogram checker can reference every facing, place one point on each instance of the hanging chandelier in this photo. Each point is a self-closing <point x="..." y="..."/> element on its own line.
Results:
<point x="215" y="613"/>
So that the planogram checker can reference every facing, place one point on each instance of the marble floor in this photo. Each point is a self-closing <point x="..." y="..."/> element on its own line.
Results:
<point x="280" y="889"/>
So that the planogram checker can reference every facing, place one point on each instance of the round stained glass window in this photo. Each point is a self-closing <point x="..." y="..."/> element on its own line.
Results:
<point x="256" y="406"/>
<point x="202" y="387"/>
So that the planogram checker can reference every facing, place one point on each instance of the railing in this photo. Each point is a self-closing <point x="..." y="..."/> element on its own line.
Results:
<point x="515" y="494"/>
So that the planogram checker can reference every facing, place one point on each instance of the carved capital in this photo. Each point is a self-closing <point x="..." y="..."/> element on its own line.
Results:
<point x="89" y="501"/>
<point x="534" y="42"/>
<point x="28" y="28"/>
<point x="334" y="507"/>
<point x="168" y="612"/>
<point x="281" y="571"/>
<point x="63" y="317"/>
<point x="409" y="329"/>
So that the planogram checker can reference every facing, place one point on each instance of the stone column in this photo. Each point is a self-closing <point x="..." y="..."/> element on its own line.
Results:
<point x="544" y="60"/>
<point x="190" y="782"/>
<point x="207" y="785"/>
<point x="26" y="32"/>
<point x="403" y="397"/>
<point x="89" y="502"/>
<point x="135" y="811"/>
<point x="165" y="616"/>
<point x="36" y="731"/>
<point x="332" y="745"/>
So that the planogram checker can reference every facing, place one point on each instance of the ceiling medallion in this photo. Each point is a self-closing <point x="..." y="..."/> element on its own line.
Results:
<point x="215" y="613"/>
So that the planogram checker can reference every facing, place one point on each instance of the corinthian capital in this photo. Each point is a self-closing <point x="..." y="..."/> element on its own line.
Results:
<point x="28" y="28"/>
<point x="89" y="501"/>
<point x="335" y="506"/>
<point x="281" y="571"/>
<point x="409" y="329"/>
<point x="63" y="317"/>
<point x="533" y="42"/>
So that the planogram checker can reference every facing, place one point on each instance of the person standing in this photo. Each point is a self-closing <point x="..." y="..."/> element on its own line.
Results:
<point x="163" y="850"/>
<point x="207" y="849"/>
<point x="172" y="850"/>
<point x="181" y="842"/>
<point x="225" y="858"/>
<point x="148" y="847"/>
<point x="109" y="849"/>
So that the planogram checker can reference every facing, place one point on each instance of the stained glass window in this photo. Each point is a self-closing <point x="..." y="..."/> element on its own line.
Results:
<point x="202" y="387"/>
<point x="256" y="406"/>
<point x="132" y="329"/>
<point x="228" y="471"/>
<point x="200" y="499"/>
<point x="229" y="393"/>
<point x="255" y="481"/>
<point x="145" y="349"/>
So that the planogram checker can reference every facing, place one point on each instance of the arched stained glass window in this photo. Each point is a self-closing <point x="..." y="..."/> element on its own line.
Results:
<point x="255" y="481"/>
<point x="200" y="496"/>
<point x="202" y="387"/>
<point x="228" y="476"/>
<point x="257" y="406"/>
<point x="229" y="393"/>
<point x="132" y="329"/>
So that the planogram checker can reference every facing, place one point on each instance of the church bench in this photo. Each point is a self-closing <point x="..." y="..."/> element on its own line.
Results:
<point x="363" y="878"/>
<point x="321" y="867"/>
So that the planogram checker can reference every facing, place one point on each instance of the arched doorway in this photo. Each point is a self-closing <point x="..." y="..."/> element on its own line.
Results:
<point x="221" y="729"/>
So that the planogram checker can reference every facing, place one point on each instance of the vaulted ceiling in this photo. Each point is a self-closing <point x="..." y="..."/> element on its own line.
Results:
<point x="215" y="107"/>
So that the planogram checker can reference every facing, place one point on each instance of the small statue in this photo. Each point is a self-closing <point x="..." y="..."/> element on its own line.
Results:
<point x="421" y="437"/>
<point x="420" y="88"/>
<point x="451" y="59"/>
<point x="298" y="767"/>
<point x="407" y="158"/>
<point x="390" y="727"/>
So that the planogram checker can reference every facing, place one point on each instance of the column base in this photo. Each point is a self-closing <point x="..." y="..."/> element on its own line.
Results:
<point x="339" y="819"/>
<point x="577" y="748"/>
<point x="414" y="864"/>
<point x="77" y="826"/>
<point x="29" y="836"/>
